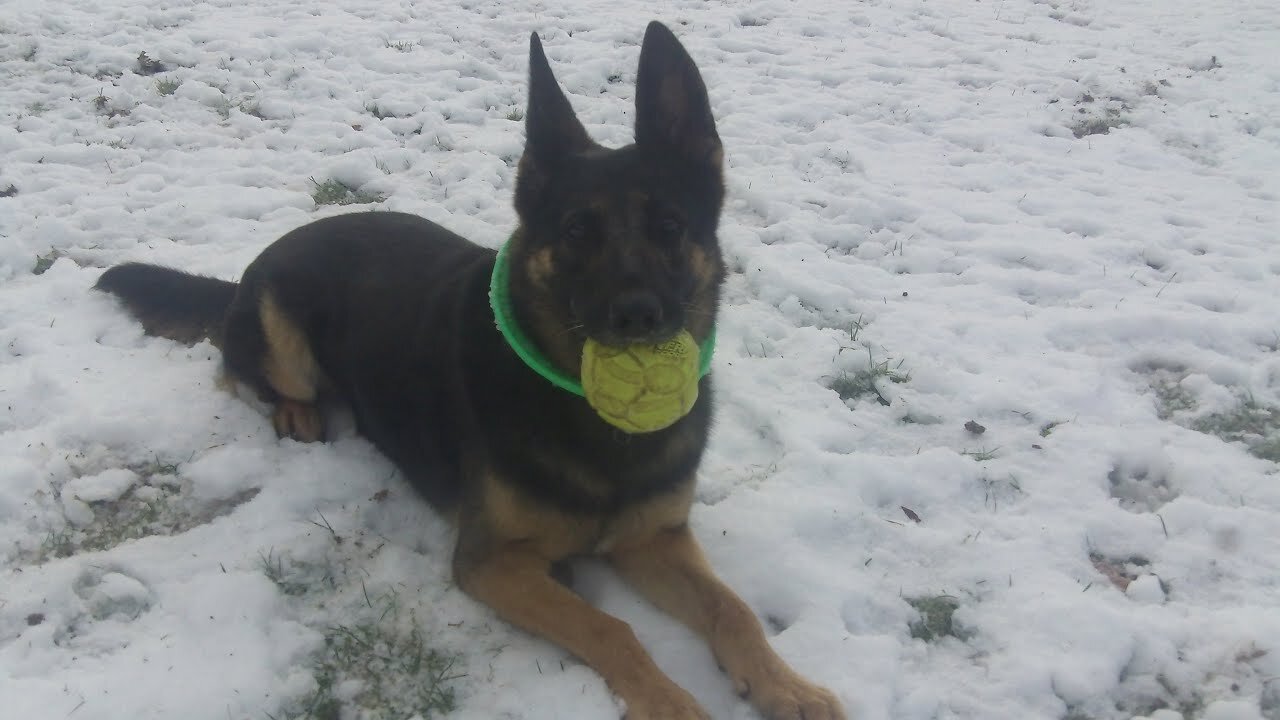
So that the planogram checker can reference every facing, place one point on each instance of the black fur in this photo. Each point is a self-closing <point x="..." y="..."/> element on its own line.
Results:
<point x="169" y="302"/>
<point x="395" y="308"/>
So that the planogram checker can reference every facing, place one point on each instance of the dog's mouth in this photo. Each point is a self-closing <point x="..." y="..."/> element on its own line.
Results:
<point x="584" y="326"/>
<point x="611" y="339"/>
<point x="628" y="318"/>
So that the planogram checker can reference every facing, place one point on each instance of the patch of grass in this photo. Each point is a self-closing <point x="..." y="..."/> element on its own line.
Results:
<point x="30" y="53"/>
<point x="37" y="108"/>
<point x="1087" y="124"/>
<point x="851" y="386"/>
<point x="996" y="488"/>
<point x="1171" y="397"/>
<point x="8" y="191"/>
<point x="1250" y="422"/>
<point x="56" y="544"/>
<point x="148" y="66"/>
<point x="140" y="512"/>
<point x="515" y="114"/>
<point x="371" y="670"/>
<point x="378" y="111"/>
<point x="1094" y="126"/>
<point x="44" y="262"/>
<point x="935" y="621"/>
<point x="1047" y="429"/>
<point x="981" y="455"/>
<point x="154" y="505"/>
<point x="336" y="192"/>
<point x="1268" y="449"/>
<point x="403" y="46"/>
<point x="156" y="467"/>
<point x="167" y="86"/>
<point x="295" y="578"/>
<point x="864" y="382"/>
<point x="251" y="108"/>
<point x="1189" y="705"/>
<point x="1139" y="488"/>
<point x="102" y="105"/>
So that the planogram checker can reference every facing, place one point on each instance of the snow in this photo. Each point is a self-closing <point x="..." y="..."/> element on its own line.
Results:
<point x="907" y="199"/>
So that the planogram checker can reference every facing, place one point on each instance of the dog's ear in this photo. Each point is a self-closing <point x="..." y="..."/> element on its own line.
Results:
<point x="672" y="110"/>
<point x="551" y="128"/>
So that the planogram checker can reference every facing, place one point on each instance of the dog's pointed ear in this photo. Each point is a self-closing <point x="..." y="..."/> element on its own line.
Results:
<point x="551" y="128"/>
<point x="672" y="110"/>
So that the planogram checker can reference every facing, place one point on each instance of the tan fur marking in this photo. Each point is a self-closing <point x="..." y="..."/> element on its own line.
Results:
<point x="509" y="516"/>
<point x="717" y="156"/>
<point x="298" y="420"/>
<point x="290" y="367"/>
<point x="700" y="310"/>
<point x="540" y="267"/>
<point x="562" y="346"/>
<point x="639" y="523"/>
<point x="671" y="571"/>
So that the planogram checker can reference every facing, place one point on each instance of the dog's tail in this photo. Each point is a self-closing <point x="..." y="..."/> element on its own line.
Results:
<point x="171" y="303"/>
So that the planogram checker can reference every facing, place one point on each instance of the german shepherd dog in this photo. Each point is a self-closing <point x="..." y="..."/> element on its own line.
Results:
<point x="390" y="314"/>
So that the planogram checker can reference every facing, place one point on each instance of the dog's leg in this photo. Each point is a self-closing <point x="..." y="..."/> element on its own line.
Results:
<point x="670" y="569"/>
<point x="291" y="370"/>
<point x="515" y="581"/>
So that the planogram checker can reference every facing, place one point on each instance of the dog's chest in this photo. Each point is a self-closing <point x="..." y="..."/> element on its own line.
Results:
<point x="557" y="533"/>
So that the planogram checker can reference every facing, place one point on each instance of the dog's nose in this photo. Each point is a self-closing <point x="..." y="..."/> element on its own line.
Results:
<point x="635" y="313"/>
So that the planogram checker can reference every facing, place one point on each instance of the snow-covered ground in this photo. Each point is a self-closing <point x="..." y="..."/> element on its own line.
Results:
<point x="999" y="417"/>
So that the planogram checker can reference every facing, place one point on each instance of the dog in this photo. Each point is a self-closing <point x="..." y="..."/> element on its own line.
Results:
<point x="391" y="315"/>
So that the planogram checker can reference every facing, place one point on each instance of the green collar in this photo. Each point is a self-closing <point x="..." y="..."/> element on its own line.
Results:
<point x="504" y="318"/>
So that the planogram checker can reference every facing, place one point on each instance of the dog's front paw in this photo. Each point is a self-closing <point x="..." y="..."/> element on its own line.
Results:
<point x="783" y="695"/>
<point x="298" y="420"/>
<point x="665" y="702"/>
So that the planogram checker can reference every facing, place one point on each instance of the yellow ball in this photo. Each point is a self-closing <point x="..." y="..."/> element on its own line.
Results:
<point x="641" y="388"/>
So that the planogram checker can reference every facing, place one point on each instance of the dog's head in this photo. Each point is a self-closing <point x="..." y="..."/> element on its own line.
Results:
<point x="619" y="245"/>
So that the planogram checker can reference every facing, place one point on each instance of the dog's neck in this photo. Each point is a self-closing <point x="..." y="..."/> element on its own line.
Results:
<point x="560" y="369"/>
